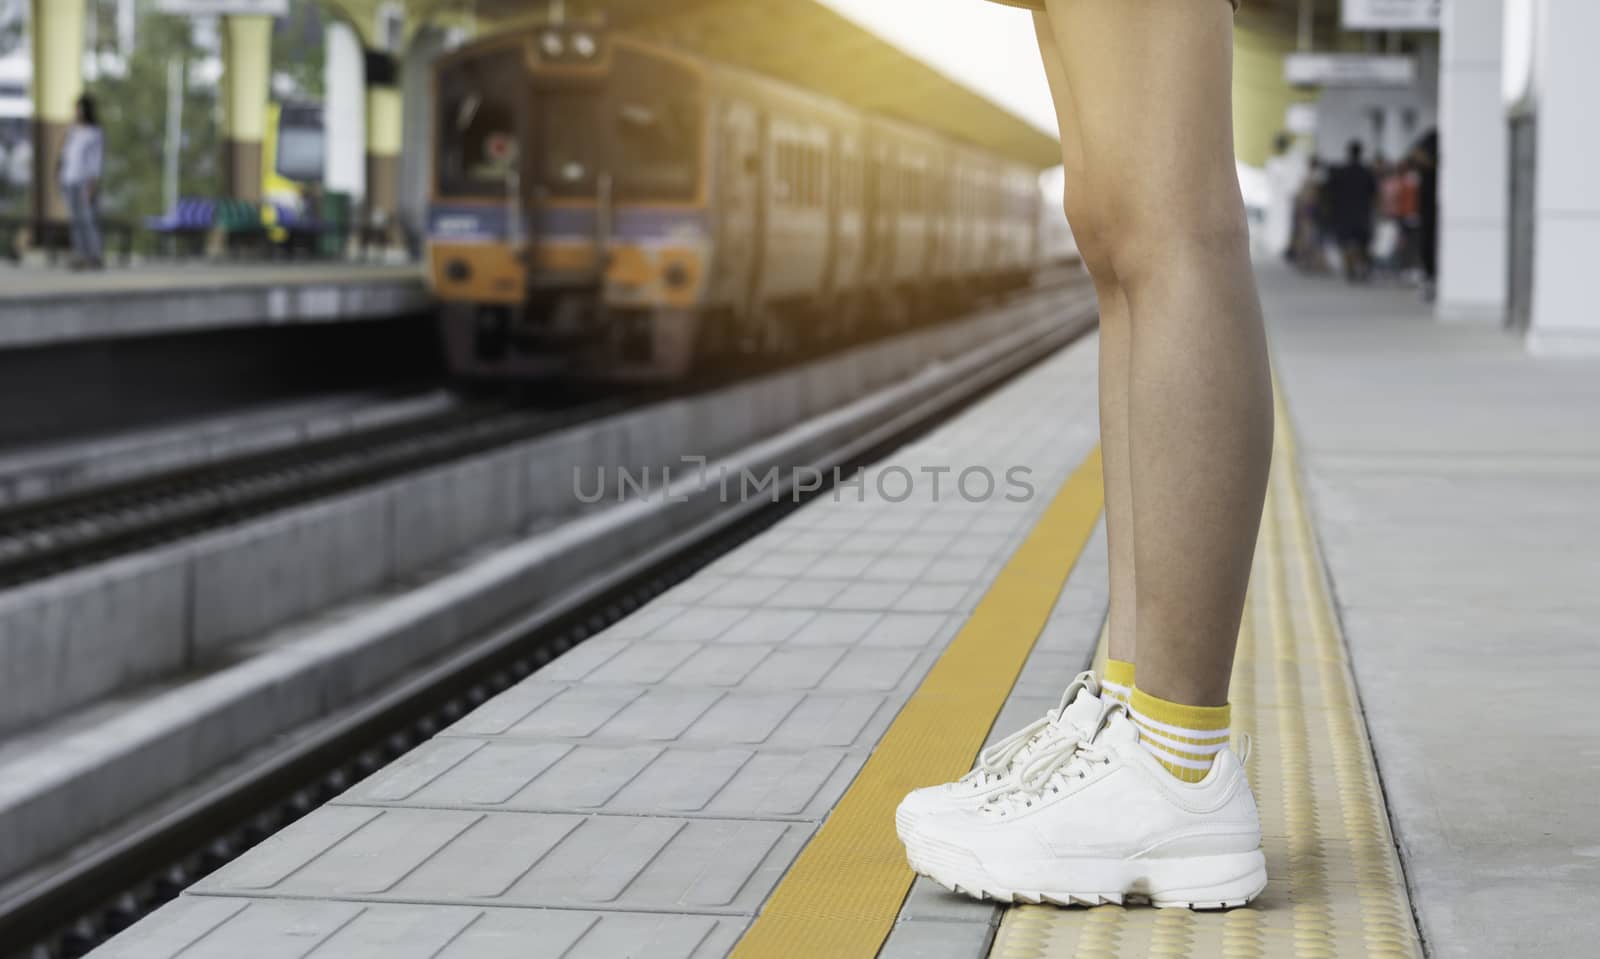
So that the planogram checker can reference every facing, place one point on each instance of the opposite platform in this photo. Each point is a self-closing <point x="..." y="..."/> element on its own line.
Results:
<point x="47" y="307"/>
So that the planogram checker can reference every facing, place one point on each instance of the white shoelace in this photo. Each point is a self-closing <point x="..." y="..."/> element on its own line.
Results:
<point x="994" y="763"/>
<point x="1050" y="768"/>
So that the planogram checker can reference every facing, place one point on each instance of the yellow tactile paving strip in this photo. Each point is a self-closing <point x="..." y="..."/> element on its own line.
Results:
<point x="1336" y="889"/>
<point x="841" y="897"/>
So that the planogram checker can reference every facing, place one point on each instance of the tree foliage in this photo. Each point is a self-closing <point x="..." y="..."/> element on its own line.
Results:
<point x="133" y="112"/>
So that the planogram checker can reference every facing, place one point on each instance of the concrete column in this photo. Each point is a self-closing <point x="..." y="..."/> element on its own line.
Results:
<point x="1567" y="192"/>
<point x="246" y="87"/>
<point x="385" y="134"/>
<point x="57" y="33"/>
<point x="345" y="111"/>
<point x="1473" y="174"/>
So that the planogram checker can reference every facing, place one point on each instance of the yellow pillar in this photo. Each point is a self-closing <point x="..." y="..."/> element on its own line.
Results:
<point x="1261" y="97"/>
<point x="385" y="131"/>
<point x="57" y="31"/>
<point x="246" y="79"/>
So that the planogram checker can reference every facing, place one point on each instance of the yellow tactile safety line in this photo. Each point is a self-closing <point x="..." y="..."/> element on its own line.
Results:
<point x="841" y="897"/>
<point x="1335" y="887"/>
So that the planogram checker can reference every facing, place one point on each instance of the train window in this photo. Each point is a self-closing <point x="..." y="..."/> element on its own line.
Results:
<point x="656" y="119"/>
<point x="570" y="144"/>
<point x="478" y="125"/>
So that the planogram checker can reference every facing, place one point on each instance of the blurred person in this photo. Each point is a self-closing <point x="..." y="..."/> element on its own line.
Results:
<point x="1310" y="224"/>
<point x="1352" y="199"/>
<point x="1388" y="238"/>
<point x="1143" y="95"/>
<point x="1425" y="160"/>
<point x="1286" y="170"/>
<point x="81" y="163"/>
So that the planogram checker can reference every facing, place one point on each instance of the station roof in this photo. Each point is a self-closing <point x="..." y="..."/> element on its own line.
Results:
<point x="808" y="44"/>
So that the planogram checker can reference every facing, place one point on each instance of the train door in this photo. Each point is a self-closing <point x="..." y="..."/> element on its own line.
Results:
<point x="741" y="226"/>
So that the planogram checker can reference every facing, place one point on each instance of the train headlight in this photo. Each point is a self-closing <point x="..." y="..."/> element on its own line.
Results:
<point x="584" y="45"/>
<point x="553" y="44"/>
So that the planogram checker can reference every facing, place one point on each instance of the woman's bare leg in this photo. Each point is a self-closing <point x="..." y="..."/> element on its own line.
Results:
<point x="1114" y="356"/>
<point x="1150" y="82"/>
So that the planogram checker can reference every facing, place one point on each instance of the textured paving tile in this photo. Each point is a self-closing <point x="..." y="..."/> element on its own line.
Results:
<point x="205" y="927"/>
<point x="652" y="863"/>
<point x="633" y="779"/>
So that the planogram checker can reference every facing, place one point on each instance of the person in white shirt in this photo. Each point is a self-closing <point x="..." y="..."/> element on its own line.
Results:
<point x="82" y="159"/>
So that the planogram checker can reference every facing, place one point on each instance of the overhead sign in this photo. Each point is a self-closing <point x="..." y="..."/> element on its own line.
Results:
<point x="198" y="8"/>
<point x="1349" y="70"/>
<point x="1390" y="14"/>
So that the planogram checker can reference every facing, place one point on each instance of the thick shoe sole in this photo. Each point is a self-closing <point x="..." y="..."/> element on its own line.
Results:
<point x="1201" y="882"/>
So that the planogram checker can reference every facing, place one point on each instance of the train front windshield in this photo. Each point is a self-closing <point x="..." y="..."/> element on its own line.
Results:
<point x="641" y="123"/>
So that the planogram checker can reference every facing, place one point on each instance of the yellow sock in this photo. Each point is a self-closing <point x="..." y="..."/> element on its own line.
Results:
<point x="1118" y="680"/>
<point x="1183" y="738"/>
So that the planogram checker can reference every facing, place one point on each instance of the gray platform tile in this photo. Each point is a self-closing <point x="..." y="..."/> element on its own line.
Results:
<point x="202" y="926"/>
<point x="584" y="658"/>
<point x="815" y="541"/>
<point x="1074" y="633"/>
<point x="915" y="630"/>
<point x="831" y="516"/>
<point x="797" y="667"/>
<point x="940" y="598"/>
<point x="768" y="626"/>
<point x="929" y="900"/>
<point x="1018" y="712"/>
<point x="720" y="665"/>
<point x="961" y="570"/>
<point x="659" y="714"/>
<point x="536" y="708"/>
<point x="806" y="594"/>
<point x="691" y="590"/>
<point x="644" y="662"/>
<point x="547" y="712"/>
<point x="878" y="669"/>
<point x="1047" y="672"/>
<point x="929" y="939"/>
<point x="835" y="628"/>
<point x="698" y="624"/>
<point x="747" y="591"/>
<point x="620" y="779"/>
<point x="982" y="546"/>
<point x="868" y="596"/>
<point x="897" y="518"/>
<point x="644" y="621"/>
<point x="874" y="543"/>
<point x="789" y="564"/>
<point x="448" y="856"/>
<point x="841" y="566"/>
<point x="897" y="568"/>
<point x="937" y="545"/>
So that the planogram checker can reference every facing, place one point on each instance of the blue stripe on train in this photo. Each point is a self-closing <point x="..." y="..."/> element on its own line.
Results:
<point x="631" y="223"/>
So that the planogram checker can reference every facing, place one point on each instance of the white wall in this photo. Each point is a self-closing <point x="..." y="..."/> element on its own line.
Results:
<point x="1565" y="318"/>
<point x="1473" y="171"/>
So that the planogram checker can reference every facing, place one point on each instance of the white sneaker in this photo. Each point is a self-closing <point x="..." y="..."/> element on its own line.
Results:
<point x="1073" y="718"/>
<point x="1101" y="820"/>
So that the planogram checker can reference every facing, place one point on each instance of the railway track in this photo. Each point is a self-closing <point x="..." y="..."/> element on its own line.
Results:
<point x="69" y="910"/>
<point x="56" y="535"/>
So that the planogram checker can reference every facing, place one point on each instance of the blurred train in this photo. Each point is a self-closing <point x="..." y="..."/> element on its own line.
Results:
<point x="630" y="211"/>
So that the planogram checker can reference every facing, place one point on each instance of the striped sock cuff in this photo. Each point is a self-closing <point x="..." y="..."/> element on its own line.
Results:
<point x="1118" y="680"/>
<point x="1183" y="738"/>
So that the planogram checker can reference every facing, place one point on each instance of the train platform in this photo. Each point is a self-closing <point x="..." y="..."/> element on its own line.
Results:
<point x="48" y="307"/>
<point x="716" y="774"/>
